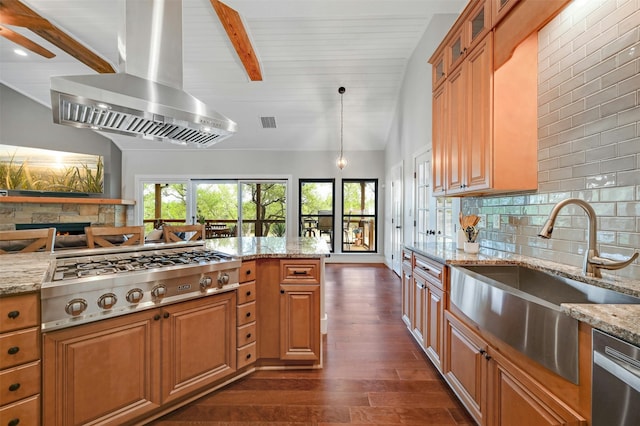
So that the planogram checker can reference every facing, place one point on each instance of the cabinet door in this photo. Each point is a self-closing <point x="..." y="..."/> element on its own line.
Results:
<point x="478" y="23"/>
<point x="300" y="322"/>
<point x="407" y="294"/>
<point x="465" y="366"/>
<point x="198" y="343"/>
<point x="516" y="398"/>
<point x="438" y="70"/>
<point x="420" y="308"/>
<point x="440" y="133"/>
<point x="479" y="95"/>
<point x="434" y="322"/>
<point x="456" y="129"/>
<point x="106" y="371"/>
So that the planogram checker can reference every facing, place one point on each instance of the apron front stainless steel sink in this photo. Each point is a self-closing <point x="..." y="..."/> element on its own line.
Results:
<point x="521" y="306"/>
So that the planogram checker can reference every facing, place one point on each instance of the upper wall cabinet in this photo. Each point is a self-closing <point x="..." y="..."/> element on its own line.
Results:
<point x="485" y="117"/>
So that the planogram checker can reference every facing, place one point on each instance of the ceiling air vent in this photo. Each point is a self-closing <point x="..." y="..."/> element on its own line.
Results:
<point x="268" y="122"/>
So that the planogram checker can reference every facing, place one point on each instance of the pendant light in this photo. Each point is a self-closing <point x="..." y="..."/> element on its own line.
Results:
<point x="341" y="162"/>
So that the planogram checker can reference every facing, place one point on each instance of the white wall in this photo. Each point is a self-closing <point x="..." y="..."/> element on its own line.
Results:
<point x="411" y="129"/>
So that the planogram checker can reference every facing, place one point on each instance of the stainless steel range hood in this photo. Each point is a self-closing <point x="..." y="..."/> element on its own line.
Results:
<point x="146" y="98"/>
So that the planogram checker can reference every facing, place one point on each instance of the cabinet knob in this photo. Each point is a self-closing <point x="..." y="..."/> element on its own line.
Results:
<point x="248" y="356"/>
<point x="248" y="335"/>
<point x="13" y="314"/>
<point x="248" y="293"/>
<point x="13" y="422"/>
<point x="156" y="317"/>
<point x="248" y="314"/>
<point x="14" y="387"/>
<point x="281" y="291"/>
<point x="248" y="272"/>
<point x="165" y="315"/>
<point x="13" y="350"/>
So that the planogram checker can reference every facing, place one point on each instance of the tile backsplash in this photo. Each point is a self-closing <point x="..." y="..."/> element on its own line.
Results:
<point x="588" y="140"/>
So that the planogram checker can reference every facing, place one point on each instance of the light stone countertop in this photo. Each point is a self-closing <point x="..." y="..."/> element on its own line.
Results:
<point x="25" y="272"/>
<point x="622" y="321"/>
<point x="22" y="272"/>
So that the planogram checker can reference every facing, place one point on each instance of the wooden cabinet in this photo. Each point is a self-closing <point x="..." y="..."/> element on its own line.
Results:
<point x="20" y="360"/>
<point x="500" y="8"/>
<point x="423" y="301"/>
<point x="493" y="389"/>
<point x="300" y="310"/>
<point x="486" y="142"/>
<point x="247" y="315"/>
<point x="119" y="369"/>
<point x="464" y="366"/>
<point x="407" y="288"/>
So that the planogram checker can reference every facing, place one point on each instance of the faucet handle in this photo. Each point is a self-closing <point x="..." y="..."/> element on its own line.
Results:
<point x="604" y="263"/>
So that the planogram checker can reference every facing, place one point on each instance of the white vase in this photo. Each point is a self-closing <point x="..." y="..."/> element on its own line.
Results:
<point x="462" y="238"/>
<point x="471" y="247"/>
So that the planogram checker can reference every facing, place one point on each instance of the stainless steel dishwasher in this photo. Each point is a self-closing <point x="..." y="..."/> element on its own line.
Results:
<point x="615" y="395"/>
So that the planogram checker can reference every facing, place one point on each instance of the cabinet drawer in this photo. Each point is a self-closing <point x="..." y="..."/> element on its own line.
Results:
<point x="19" y="382"/>
<point x="19" y="347"/>
<point x="18" y="312"/>
<point x="246" y="313"/>
<point x="246" y="334"/>
<point x="23" y="412"/>
<point x="248" y="271"/>
<point x="300" y="271"/>
<point x="247" y="292"/>
<point x="428" y="268"/>
<point x="246" y="355"/>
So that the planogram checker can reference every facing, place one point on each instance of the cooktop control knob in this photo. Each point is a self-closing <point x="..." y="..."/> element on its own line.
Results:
<point x="205" y="282"/>
<point x="76" y="306"/>
<point x="134" y="295"/>
<point x="107" y="300"/>
<point x="159" y="291"/>
<point x="223" y="279"/>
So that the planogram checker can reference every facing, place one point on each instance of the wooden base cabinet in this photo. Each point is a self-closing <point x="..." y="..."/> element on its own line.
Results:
<point x="117" y="370"/>
<point x="407" y="289"/>
<point x="20" y="360"/>
<point x="494" y="390"/>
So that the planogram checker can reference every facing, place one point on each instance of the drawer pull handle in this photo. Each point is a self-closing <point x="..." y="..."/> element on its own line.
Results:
<point x="13" y="314"/>
<point x="248" y="272"/>
<point x="248" y="335"/>
<point x="248" y="356"/>
<point x="13" y="422"/>
<point x="248" y="314"/>
<point x="299" y="272"/>
<point x="249" y="293"/>
<point x="14" y="387"/>
<point x="13" y="350"/>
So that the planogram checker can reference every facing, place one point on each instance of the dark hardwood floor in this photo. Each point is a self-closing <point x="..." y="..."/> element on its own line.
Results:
<point x="374" y="373"/>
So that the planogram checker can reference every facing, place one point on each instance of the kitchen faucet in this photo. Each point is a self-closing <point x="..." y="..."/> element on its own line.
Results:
<point x="592" y="260"/>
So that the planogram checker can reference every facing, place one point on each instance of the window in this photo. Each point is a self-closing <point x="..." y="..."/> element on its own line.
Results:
<point x="359" y="215"/>
<point x="164" y="203"/>
<point x="228" y="207"/>
<point x="317" y="209"/>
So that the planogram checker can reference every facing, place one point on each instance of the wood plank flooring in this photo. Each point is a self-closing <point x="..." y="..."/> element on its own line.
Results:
<point x="374" y="373"/>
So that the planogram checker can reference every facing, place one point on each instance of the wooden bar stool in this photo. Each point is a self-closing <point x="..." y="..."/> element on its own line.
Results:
<point x="27" y="240"/>
<point x="98" y="236"/>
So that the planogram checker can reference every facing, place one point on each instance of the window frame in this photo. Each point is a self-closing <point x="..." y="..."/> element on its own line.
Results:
<point x="375" y="215"/>
<point x="301" y="216"/>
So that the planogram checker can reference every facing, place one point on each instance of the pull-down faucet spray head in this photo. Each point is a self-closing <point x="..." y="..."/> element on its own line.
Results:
<point x="592" y="260"/>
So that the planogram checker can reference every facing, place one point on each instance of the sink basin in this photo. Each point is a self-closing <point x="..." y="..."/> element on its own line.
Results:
<point x="521" y="306"/>
<point x="550" y="288"/>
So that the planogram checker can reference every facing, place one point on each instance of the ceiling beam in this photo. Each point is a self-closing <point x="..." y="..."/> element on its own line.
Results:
<point x="238" y="36"/>
<point x="23" y="41"/>
<point x="14" y="12"/>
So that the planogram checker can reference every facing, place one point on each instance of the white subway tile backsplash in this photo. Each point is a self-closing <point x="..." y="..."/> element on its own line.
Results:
<point x="618" y="164"/>
<point x="621" y="103"/>
<point x="619" y="134"/>
<point x="598" y="98"/>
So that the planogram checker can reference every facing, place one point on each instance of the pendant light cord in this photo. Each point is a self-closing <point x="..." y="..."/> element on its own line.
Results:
<point x="341" y="119"/>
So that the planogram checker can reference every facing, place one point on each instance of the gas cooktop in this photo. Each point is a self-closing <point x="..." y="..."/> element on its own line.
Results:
<point x="124" y="262"/>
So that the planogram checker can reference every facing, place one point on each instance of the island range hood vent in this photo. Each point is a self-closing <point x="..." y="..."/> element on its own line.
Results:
<point x="145" y="100"/>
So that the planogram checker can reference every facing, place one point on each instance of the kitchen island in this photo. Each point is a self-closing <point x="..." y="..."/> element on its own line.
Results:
<point x="163" y="355"/>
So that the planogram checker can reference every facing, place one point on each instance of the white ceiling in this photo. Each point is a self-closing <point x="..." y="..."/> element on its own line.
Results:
<point x="307" y="49"/>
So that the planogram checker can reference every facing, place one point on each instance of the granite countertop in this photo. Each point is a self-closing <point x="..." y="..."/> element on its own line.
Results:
<point x="261" y="247"/>
<point x="622" y="321"/>
<point x="25" y="272"/>
<point x="22" y="272"/>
